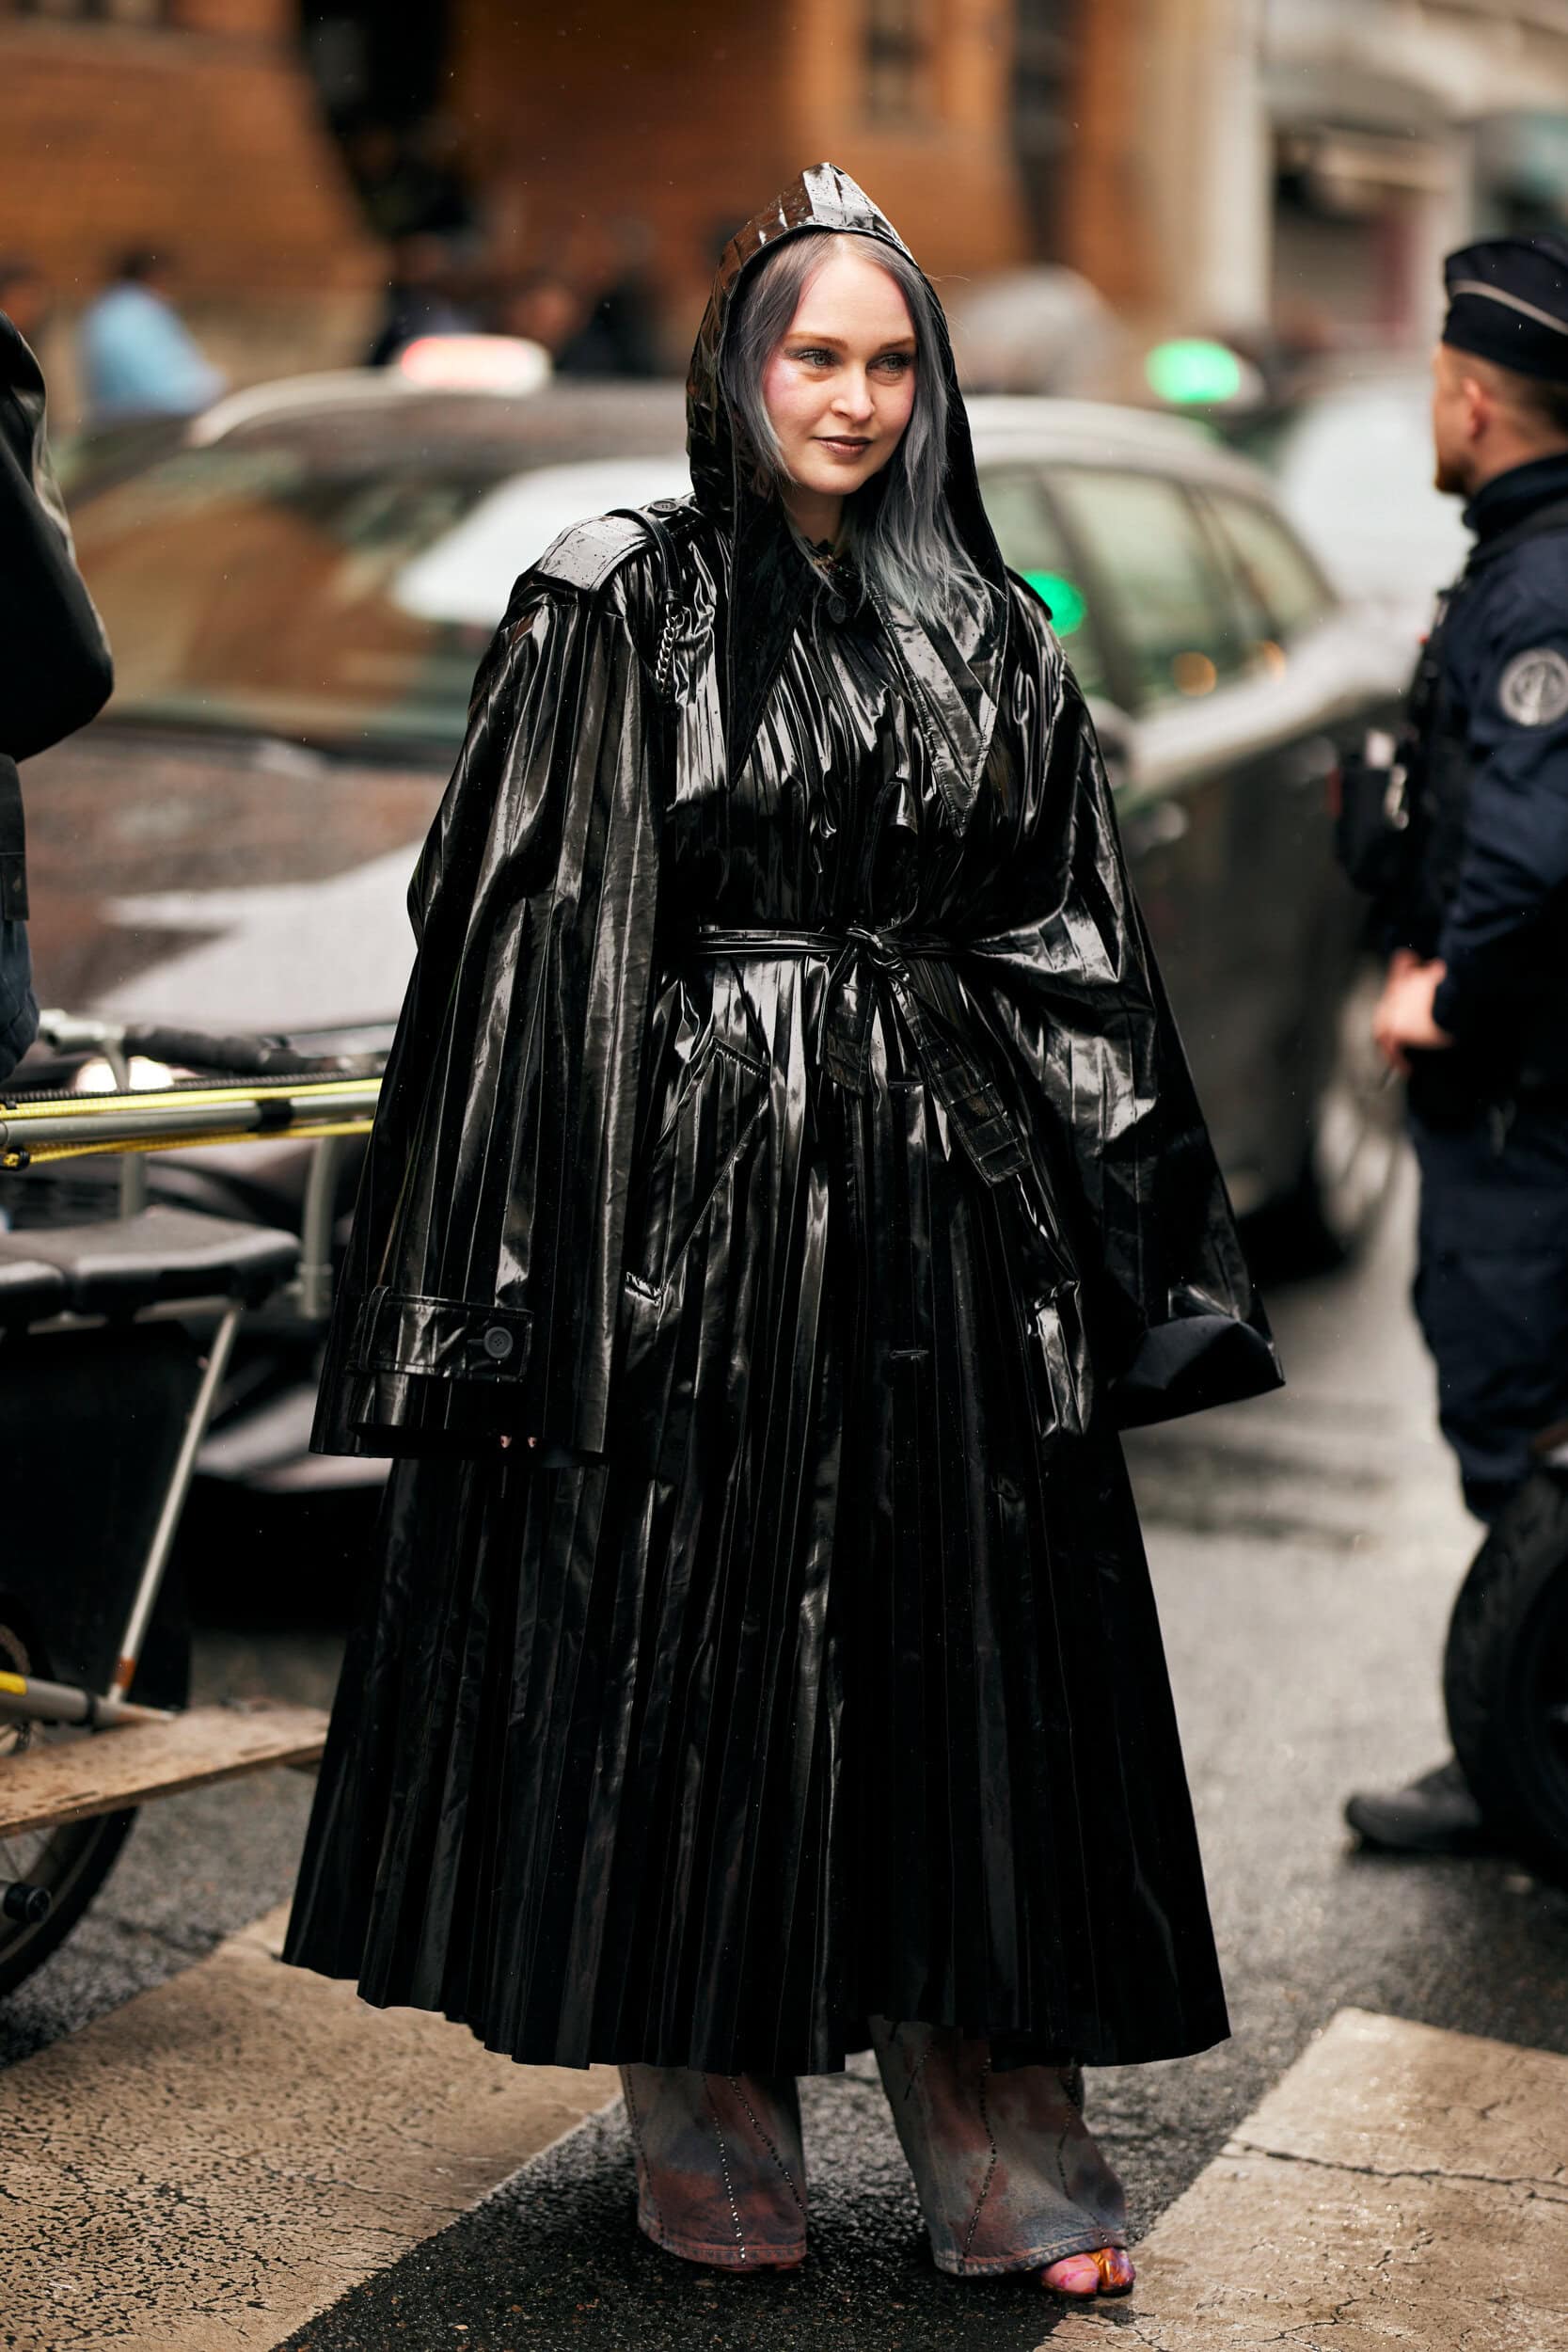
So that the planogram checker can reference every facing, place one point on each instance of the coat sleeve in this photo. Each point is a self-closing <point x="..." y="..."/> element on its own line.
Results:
<point x="1174" y="1320"/>
<point x="57" y="672"/>
<point x="482" y="1288"/>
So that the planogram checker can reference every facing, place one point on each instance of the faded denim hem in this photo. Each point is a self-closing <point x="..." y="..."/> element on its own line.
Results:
<point x="726" y="2256"/>
<point x="1038" y="2257"/>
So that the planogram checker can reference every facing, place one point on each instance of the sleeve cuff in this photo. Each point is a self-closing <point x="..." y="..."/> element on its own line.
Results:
<point x="1192" y="1362"/>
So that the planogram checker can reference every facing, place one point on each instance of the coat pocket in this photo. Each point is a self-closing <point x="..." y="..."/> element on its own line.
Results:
<point x="1061" y="1378"/>
<point x="713" y="1116"/>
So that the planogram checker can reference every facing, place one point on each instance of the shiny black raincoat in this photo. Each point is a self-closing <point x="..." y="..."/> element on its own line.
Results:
<point x="787" y="1130"/>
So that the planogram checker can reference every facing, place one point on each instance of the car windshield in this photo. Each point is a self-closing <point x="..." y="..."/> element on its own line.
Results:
<point x="258" y="589"/>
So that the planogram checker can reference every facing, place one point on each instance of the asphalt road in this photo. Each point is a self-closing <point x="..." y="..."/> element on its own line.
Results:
<point x="1306" y="1550"/>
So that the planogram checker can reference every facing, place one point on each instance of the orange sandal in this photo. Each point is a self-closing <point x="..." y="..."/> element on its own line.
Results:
<point x="1107" y="2271"/>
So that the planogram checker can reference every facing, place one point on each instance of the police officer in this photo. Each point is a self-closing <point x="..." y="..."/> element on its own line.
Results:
<point x="1474" y="1009"/>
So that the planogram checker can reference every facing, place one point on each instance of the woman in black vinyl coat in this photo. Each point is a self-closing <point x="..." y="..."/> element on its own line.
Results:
<point x="786" y="1184"/>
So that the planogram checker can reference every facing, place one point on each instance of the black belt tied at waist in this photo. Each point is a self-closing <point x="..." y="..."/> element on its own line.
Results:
<point x="862" y="959"/>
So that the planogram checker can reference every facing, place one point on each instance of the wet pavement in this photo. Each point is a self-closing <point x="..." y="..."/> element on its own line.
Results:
<point x="1306" y="1550"/>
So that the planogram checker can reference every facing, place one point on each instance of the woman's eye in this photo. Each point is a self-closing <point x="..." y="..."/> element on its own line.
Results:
<point x="888" y="362"/>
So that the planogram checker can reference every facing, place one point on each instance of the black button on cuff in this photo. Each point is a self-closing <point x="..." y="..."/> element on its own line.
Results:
<point x="497" y="1342"/>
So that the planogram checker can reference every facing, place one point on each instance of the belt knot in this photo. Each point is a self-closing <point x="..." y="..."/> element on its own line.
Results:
<point x="887" y="950"/>
<point x="947" y="1058"/>
<point x="867" y="962"/>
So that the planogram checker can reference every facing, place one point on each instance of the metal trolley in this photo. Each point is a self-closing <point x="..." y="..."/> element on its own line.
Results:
<point x="116" y="1335"/>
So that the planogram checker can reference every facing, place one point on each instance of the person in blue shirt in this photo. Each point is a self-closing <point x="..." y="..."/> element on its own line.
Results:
<point x="138" y="358"/>
<point x="1475" y="1010"/>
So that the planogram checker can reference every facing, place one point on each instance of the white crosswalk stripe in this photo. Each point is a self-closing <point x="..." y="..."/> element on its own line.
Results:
<point x="223" y="2157"/>
<point x="1400" y="2186"/>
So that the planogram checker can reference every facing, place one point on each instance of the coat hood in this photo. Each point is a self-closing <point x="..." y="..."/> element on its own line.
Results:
<point x="953" y="654"/>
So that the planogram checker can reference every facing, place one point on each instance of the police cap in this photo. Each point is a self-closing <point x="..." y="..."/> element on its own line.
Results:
<point x="1508" y="302"/>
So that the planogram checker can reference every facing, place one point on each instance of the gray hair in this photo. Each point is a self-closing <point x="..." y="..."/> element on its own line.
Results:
<point x="898" y="527"/>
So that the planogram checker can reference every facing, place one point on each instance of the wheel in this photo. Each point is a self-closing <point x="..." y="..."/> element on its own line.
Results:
<point x="73" y="1859"/>
<point x="1505" y="1674"/>
<point x="1353" y="1140"/>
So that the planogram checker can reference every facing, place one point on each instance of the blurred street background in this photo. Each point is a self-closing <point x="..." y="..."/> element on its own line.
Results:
<point x="1283" y="173"/>
<point x="416" y="281"/>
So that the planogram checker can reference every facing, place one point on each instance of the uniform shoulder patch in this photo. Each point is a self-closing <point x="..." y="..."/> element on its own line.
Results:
<point x="586" y="554"/>
<point x="1534" y="689"/>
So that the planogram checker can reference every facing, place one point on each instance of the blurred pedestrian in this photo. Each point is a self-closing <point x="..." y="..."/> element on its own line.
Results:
<point x="543" y="306"/>
<point x="612" y="333"/>
<point x="620" y="333"/>
<point x="617" y="338"/>
<point x="420" y="299"/>
<point x="1468" y="842"/>
<point x="138" y="358"/>
<point x="787" y="1184"/>
<point x="56" y="672"/>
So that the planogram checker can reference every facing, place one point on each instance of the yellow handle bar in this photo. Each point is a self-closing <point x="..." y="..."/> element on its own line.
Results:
<point x="165" y="1119"/>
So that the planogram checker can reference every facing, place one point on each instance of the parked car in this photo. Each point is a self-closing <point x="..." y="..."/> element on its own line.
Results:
<point x="1348" y="451"/>
<point x="298" y="595"/>
<point x="1227" y="678"/>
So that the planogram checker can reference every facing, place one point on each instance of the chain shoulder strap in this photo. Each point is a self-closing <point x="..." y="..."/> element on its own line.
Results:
<point x="668" y="632"/>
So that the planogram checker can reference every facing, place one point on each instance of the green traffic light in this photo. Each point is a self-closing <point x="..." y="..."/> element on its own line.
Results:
<point x="1066" y="601"/>
<point x="1194" y="373"/>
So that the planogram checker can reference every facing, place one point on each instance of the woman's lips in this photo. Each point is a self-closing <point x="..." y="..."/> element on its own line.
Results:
<point x="845" y="448"/>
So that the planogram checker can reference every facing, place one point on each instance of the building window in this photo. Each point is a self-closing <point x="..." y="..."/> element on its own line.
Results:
<point x="98" y="12"/>
<point x="1043" y="43"/>
<point x="897" y="59"/>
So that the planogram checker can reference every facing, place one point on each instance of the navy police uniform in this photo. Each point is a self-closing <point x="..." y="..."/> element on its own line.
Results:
<point x="1486" y="890"/>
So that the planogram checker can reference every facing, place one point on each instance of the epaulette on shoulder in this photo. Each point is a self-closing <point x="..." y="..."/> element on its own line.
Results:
<point x="587" y="554"/>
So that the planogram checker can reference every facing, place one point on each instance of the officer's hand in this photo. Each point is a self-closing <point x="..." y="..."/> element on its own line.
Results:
<point x="1404" y="1021"/>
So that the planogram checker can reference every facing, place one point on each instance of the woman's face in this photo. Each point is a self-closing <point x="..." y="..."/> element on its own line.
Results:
<point x="840" y="387"/>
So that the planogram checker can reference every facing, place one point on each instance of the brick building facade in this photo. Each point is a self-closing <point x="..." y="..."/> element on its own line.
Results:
<point x="617" y="113"/>
<point x="591" y="134"/>
<point x="189" y="125"/>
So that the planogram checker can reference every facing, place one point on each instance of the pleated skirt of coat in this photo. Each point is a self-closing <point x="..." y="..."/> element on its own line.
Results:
<point x="836" y="1692"/>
